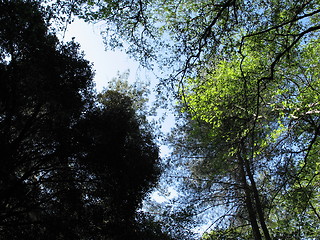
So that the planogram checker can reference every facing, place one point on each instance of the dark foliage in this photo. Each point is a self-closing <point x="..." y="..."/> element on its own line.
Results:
<point x="70" y="168"/>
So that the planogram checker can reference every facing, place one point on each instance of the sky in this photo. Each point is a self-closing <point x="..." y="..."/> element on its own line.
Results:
<point x="106" y="63"/>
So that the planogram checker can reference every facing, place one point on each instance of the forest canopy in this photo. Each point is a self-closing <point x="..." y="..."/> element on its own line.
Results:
<point x="245" y="74"/>
<point x="74" y="164"/>
<point x="244" y="77"/>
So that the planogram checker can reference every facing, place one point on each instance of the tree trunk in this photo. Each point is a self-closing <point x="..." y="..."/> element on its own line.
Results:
<point x="248" y="200"/>
<point x="257" y="201"/>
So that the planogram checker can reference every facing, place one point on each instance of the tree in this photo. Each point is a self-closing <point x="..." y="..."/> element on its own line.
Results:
<point x="253" y="139"/>
<point x="73" y="165"/>
<point x="45" y="87"/>
<point x="237" y="54"/>
<point x="182" y="35"/>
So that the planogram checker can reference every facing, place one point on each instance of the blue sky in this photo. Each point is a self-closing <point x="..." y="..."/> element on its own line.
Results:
<point x="106" y="63"/>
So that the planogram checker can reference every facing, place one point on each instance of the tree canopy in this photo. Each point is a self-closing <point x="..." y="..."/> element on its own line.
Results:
<point x="74" y="164"/>
<point x="257" y="143"/>
<point x="245" y="77"/>
<point x="182" y="34"/>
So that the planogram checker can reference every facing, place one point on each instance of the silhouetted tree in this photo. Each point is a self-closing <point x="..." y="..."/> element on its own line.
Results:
<point x="72" y="166"/>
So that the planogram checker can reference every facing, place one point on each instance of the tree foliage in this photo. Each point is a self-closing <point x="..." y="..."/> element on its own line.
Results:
<point x="255" y="120"/>
<point x="181" y="35"/>
<point x="73" y="165"/>
<point x="246" y="76"/>
<point x="269" y="130"/>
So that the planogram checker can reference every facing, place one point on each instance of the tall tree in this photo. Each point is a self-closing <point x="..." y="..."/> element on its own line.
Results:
<point x="253" y="139"/>
<point x="73" y="165"/>
<point x="245" y="70"/>
<point x="45" y="87"/>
